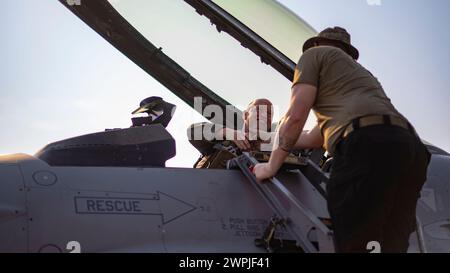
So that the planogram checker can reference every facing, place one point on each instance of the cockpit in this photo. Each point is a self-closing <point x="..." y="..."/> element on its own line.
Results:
<point x="146" y="142"/>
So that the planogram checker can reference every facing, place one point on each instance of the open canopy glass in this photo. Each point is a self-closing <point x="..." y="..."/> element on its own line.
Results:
<point x="217" y="60"/>
<point x="275" y="23"/>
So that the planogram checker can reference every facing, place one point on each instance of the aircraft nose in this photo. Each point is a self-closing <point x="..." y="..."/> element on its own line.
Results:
<point x="12" y="208"/>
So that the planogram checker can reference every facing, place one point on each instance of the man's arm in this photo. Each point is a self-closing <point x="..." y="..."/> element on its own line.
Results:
<point x="290" y="127"/>
<point x="238" y="138"/>
<point x="309" y="140"/>
<point x="196" y="137"/>
<point x="204" y="135"/>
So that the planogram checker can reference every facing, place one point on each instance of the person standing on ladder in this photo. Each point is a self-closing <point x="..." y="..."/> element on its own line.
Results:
<point x="380" y="163"/>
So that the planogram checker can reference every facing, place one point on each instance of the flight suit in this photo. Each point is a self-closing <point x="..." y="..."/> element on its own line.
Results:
<point x="214" y="153"/>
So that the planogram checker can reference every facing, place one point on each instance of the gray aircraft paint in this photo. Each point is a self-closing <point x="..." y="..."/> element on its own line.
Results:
<point x="185" y="210"/>
<point x="182" y="210"/>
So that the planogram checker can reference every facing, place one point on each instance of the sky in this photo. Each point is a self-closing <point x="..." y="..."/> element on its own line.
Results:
<point x="60" y="79"/>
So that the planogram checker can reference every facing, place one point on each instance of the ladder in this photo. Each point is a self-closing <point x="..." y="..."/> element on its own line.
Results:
<point x="310" y="233"/>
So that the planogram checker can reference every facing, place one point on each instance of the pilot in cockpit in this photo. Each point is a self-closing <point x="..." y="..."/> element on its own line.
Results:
<point x="221" y="143"/>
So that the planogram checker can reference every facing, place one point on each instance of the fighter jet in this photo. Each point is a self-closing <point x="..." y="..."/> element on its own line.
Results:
<point x="111" y="192"/>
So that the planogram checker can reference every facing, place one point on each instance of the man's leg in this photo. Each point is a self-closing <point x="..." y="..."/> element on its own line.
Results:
<point x="363" y="187"/>
<point x="402" y="219"/>
<point x="353" y="205"/>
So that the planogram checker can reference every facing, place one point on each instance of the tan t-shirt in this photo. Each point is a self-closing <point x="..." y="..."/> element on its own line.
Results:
<point x="345" y="91"/>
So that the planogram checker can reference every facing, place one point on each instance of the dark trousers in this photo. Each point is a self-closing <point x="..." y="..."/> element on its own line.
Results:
<point x="377" y="175"/>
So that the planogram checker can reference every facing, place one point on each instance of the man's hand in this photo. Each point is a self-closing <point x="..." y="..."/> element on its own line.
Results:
<point x="263" y="171"/>
<point x="238" y="137"/>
